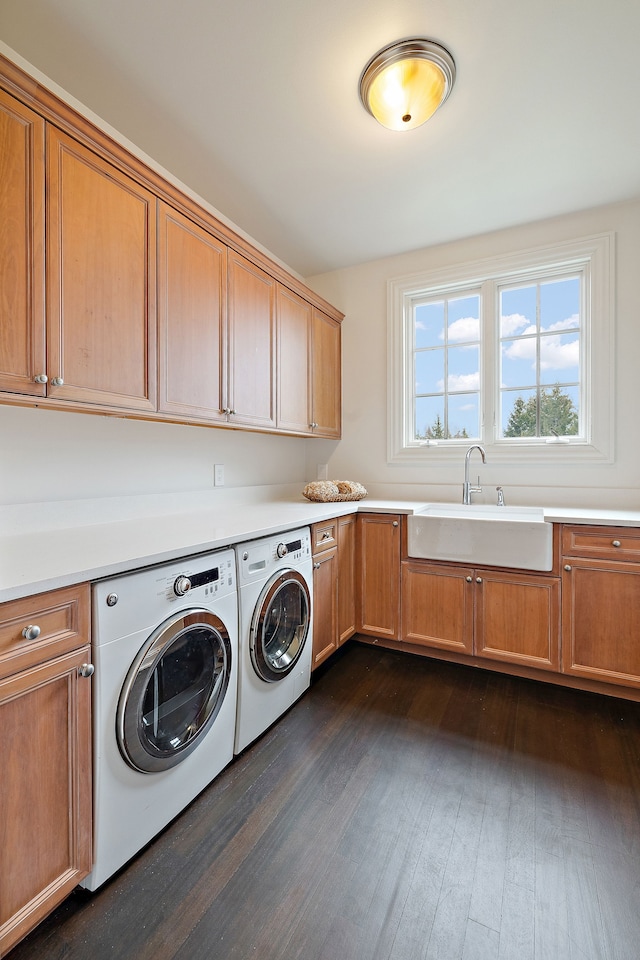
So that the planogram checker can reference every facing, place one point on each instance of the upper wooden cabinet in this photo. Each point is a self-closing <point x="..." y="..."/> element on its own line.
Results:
<point x="101" y="234"/>
<point x="326" y="395"/>
<point x="294" y="359"/>
<point x="192" y="300"/>
<point x="22" y="319"/>
<point x="242" y="342"/>
<point x="251" y="395"/>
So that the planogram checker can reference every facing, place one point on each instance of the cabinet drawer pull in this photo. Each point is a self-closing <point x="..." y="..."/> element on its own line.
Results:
<point x="567" y="567"/>
<point x="86" y="670"/>
<point x="616" y="543"/>
<point x="32" y="632"/>
<point x="326" y="535"/>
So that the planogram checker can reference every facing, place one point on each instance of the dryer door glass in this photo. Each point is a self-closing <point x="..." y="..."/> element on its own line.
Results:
<point x="174" y="691"/>
<point x="280" y="625"/>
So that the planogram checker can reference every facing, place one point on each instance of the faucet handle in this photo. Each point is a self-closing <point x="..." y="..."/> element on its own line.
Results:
<point x="500" y="502"/>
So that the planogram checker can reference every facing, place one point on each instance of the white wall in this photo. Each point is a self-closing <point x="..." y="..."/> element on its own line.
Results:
<point x="361" y="292"/>
<point x="51" y="455"/>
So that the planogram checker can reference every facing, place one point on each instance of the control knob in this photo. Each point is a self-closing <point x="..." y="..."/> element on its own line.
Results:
<point x="182" y="586"/>
<point x="282" y="550"/>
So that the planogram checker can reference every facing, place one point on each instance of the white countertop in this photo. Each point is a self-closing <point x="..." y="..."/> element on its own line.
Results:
<point x="42" y="549"/>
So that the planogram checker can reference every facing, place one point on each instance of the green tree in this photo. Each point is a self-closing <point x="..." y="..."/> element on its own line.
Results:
<point x="558" y="415"/>
<point x="436" y="431"/>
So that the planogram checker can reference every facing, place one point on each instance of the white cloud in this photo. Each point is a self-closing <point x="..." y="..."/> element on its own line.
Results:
<point x="464" y="381"/>
<point x="515" y="323"/>
<point x="570" y="322"/>
<point x="466" y="328"/>
<point x="555" y="354"/>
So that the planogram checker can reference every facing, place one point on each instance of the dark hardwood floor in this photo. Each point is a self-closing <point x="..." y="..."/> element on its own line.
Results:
<point x="404" y="809"/>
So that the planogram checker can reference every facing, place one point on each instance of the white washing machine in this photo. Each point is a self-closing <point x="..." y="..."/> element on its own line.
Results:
<point x="274" y="594"/>
<point x="165" y="649"/>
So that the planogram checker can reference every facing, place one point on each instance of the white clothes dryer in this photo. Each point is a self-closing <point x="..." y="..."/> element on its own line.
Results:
<point x="165" y="649"/>
<point x="275" y="591"/>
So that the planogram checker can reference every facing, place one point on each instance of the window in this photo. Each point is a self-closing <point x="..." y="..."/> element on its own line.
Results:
<point x="513" y="353"/>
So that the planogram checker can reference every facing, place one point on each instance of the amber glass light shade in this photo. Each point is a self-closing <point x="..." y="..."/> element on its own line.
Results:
<point x="405" y="83"/>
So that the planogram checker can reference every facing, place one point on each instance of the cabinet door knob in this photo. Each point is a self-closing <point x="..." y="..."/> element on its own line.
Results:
<point x="316" y="566"/>
<point x="41" y="378"/>
<point x="395" y="523"/>
<point x="567" y="567"/>
<point x="616" y="543"/>
<point x="32" y="632"/>
<point x="469" y="579"/>
<point x="57" y="382"/>
<point x="478" y="579"/>
<point x="86" y="670"/>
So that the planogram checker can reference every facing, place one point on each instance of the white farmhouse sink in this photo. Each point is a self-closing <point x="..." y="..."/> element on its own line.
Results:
<point x="480" y="534"/>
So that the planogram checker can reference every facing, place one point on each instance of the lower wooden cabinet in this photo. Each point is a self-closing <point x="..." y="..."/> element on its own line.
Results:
<point x="378" y="582"/>
<point x="499" y="615"/>
<point x="45" y="756"/>
<point x="601" y="620"/>
<point x="334" y="618"/>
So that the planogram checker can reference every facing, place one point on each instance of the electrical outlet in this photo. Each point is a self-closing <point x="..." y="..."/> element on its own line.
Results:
<point x="218" y="474"/>
<point x="323" y="471"/>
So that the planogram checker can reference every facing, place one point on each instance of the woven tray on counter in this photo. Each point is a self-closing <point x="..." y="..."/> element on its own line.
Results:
<point x="330" y="491"/>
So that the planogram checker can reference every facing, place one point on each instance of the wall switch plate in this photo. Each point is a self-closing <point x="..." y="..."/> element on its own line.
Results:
<point x="218" y="474"/>
<point x="323" y="471"/>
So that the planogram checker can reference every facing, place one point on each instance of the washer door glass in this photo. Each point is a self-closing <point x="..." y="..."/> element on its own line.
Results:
<point x="280" y="625"/>
<point x="174" y="690"/>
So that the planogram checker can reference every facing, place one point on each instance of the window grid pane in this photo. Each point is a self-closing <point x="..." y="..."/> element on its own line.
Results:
<point x="540" y="381"/>
<point x="446" y="342"/>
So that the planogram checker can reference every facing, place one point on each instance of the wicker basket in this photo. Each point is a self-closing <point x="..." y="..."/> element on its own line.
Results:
<point x="330" y="491"/>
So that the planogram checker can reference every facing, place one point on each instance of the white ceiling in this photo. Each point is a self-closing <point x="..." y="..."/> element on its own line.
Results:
<point x="254" y="104"/>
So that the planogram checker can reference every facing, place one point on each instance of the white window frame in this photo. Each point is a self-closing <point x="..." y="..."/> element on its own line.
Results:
<point x="593" y="257"/>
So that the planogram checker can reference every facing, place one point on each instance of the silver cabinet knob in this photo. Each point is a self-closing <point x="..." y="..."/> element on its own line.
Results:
<point x="395" y="523"/>
<point x="41" y="378"/>
<point x="57" y="382"/>
<point x="616" y="543"/>
<point x="32" y="632"/>
<point x="86" y="670"/>
<point x="567" y="567"/>
<point x="182" y="586"/>
<point x="316" y="566"/>
<point x="478" y="579"/>
<point x="469" y="579"/>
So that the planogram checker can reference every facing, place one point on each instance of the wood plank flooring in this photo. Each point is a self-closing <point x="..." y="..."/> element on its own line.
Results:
<point x="404" y="809"/>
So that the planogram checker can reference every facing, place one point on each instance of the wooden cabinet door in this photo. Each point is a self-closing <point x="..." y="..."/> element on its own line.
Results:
<point x="325" y="605"/>
<point x="346" y="577"/>
<point x="600" y="620"/>
<point x="517" y="618"/>
<point x="101" y="235"/>
<point x="437" y="606"/>
<point x="45" y="791"/>
<point x="22" y="319"/>
<point x="294" y="348"/>
<point x="192" y="292"/>
<point x="251" y="312"/>
<point x="379" y="575"/>
<point x="326" y="406"/>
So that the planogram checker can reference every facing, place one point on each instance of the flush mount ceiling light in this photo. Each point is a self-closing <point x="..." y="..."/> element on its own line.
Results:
<point x="405" y="83"/>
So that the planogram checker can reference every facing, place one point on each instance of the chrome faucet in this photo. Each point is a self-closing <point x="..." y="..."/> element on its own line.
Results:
<point x="467" y="489"/>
